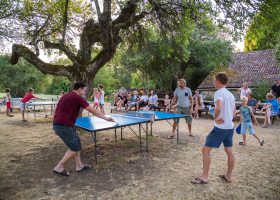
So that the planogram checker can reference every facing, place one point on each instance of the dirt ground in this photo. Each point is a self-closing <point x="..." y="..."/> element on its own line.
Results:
<point x="30" y="150"/>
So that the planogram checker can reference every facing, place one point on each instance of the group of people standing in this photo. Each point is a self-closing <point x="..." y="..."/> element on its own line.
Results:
<point x="98" y="97"/>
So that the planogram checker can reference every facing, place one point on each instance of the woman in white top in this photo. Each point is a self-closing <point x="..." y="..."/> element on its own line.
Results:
<point x="244" y="91"/>
<point x="152" y="101"/>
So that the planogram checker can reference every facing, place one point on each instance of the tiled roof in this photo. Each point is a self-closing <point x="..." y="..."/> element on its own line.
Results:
<point x="250" y="67"/>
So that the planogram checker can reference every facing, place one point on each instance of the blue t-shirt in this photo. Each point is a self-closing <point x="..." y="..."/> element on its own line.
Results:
<point x="274" y="105"/>
<point x="134" y="98"/>
<point x="246" y="113"/>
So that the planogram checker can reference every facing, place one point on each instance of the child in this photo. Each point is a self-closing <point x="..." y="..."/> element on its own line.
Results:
<point x="95" y="97"/>
<point x="101" y="98"/>
<point x="133" y="100"/>
<point x="8" y="102"/>
<point x="167" y="103"/>
<point x="246" y="121"/>
<point x="29" y="95"/>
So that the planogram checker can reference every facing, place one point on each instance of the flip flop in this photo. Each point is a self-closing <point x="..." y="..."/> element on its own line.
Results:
<point x="171" y="137"/>
<point x="199" y="181"/>
<point x="223" y="177"/>
<point x="191" y="135"/>
<point x="86" y="167"/>
<point x="63" y="173"/>
<point x="262" y="142"/>
<point x="242" y="143"/>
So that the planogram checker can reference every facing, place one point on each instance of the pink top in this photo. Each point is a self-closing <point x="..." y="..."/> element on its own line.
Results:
<point x="27" y="97"/>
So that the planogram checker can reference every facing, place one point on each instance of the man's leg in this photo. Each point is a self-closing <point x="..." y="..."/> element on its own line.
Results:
<point x="175" y="124"/>
<point x="68" y="155"/>
<point x="231" y="161"/>
<point x="79" y="164"/>
<point x="206" y="162"/>
<point x="190" y="129"/>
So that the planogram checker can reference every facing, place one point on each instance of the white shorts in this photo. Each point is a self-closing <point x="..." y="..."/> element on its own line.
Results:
<point x="22" y="106"/>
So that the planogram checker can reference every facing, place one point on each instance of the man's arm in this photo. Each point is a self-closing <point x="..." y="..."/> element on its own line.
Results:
<point x="98" y="114"/>
<point x="218" y="107"/>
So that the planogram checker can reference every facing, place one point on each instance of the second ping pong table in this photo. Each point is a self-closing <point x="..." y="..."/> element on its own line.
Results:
<point x="44" y="103"/>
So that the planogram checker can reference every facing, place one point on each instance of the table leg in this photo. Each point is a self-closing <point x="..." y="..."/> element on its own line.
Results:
<point x="95" y="146"/>
<point x="115" y="135"/>
<point x="147" y="127"/>
<point x="177" y="132"/>
<point x="34" y="113"/>
<point x="140" y="138"/>
<point x="151" y="128"/>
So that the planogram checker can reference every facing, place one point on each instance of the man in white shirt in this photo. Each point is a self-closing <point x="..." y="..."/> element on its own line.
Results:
<point x="223" y="130"/>
<point x="143" y="101"/>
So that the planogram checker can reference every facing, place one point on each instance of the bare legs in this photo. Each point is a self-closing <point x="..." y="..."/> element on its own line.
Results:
<point x="207" y="161"/>
<point x="244" y="138"/>
<point x="267" y="117"/>
<point x="231" y="161"/>
<point x="68" y="155"/>
<point x="175" y="124"/>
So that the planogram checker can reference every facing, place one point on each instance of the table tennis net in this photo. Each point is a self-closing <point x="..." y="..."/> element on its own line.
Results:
<point x="149" y="116"/>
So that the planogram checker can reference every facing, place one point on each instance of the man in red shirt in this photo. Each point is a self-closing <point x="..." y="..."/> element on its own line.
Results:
<point x="29" y="95"/>
<point x="67" y="111"/>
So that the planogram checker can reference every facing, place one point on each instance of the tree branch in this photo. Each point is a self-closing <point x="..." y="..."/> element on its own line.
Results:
<point x="107" y="10"/>
<point x="46" y="68"/>
<point x="126" y="13"/>
<point x="90" y="35"/>
<point x="65" y="49"/>
<point x="65" y="20"/>
<point x="97" y="9"/>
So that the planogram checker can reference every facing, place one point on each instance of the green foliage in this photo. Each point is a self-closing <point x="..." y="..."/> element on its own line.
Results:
<point x="58" y="84"/>
<point x="19" y="78"/>
<point x="262" y="88"/>
<point x="192" y="53"/>
<point x="264" y="32"/>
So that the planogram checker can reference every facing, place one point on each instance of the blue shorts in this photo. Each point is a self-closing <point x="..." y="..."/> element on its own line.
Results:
<point x="245" y="126"/>
<point x="101" y="105"/>
<point x="218" y="136"/>
<point x="68" y="136"/>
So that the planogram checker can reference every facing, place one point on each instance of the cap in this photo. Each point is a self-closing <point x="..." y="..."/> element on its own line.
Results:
<point x="277" y="79"/>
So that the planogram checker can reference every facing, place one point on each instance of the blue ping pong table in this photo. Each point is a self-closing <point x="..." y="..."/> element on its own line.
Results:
<point x="94" y="125"/>
<point x="44" y="103"/>
<point x="165" y="116"/>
